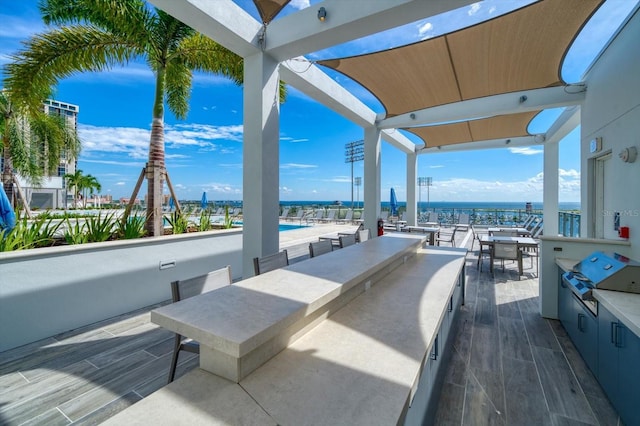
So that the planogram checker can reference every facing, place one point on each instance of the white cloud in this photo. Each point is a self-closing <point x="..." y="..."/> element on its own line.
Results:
<point x="436" y="166"/>
<point x="299" y="4"/>
<point x="297" y="166"/>
<point x="134" y="141"/>
<point x="120" y="183"/>
<point x="473" y="9"/>
<point x="286" y="190"/>
<point x="569" y="173"/>
<point x="114" y="163"/>
<point x="526" y="150"/>
<point x="425" y="30"/>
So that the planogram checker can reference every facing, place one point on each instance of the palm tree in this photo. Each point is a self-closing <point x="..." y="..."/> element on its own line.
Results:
<point x="89" y="183"/>
<point x="74" y="181"/>
<point x="33" y="143"/>
<point x="94" y="35"/>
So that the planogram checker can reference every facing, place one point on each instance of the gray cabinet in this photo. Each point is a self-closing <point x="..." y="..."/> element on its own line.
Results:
<point x="618" y="371"/>
<point x="425" y="400"/>
<point x="581" y="325"/>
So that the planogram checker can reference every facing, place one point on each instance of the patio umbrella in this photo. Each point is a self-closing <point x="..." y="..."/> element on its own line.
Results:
<point x="204" y="201"/>
<point x="7" y="215"/>
<point x="171" y="203"/>
<point x="393" y="202"/>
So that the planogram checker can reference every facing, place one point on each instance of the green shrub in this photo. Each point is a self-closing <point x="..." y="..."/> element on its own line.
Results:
<point x="75" y="233"/>
<point x="132" y="228"/>
<point x="205" y="221"/>
<point x="100" y="228"/>
<point x="178" y="221"/>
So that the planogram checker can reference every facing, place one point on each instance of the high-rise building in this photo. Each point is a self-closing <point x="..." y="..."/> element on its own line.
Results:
<point x="52" y="194"/>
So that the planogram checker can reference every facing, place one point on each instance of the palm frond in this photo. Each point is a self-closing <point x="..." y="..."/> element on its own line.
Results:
<point x="178" y="88"/>
<point x="60" y="53"/>
<point x="200" y="53"/>
<point x="127" y="18"/>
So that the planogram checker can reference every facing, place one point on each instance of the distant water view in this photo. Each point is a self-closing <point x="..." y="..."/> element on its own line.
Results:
<point x="444" y="205"/>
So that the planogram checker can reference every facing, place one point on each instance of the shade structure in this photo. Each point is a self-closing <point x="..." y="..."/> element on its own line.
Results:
<point x="498" y="127"/>
<point x="7" y="215"/>
<point x="203" y="201"/>
<point x="521" y="50"/>
<point x="393" y="202"/>
<point x="268" y="9"/>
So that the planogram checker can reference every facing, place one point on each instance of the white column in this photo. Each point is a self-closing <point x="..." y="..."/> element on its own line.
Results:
<point x="412" y="181"/>
<point x="372" y="178"/>
<point x="260" y="160"/>
<point x="550" y="188"/>
<point x="549" y="293"/>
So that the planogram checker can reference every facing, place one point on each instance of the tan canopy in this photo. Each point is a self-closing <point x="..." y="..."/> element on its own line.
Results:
<point x="498" y="127"/>
<point x="521" y="50"/>
<point x="268" y="9"/>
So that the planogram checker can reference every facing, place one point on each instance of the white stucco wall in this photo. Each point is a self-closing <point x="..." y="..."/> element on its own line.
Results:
<point x="612" y="111"/>
<point x="47" y="291"/>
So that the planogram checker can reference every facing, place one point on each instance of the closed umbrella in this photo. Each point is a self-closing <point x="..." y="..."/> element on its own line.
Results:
<point x="393" y="203"/>
<point x="171" y="203"/>
<point x="7" y="215"/>
<point x="203" y="202"/>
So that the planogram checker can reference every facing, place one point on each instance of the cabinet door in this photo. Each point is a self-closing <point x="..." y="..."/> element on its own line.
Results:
<point x="608" y="353"/>
<point x="588" y="328"/>
<point x="629" y="374"/>
<point x="564" y="304"/>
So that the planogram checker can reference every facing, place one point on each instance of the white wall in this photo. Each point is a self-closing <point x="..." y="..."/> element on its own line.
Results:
<point x="611" y="111"/>
<point x="47" y="291"/>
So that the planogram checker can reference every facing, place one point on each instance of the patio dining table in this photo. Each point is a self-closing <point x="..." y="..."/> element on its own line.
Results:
<point x="522" y="232"/>
<point x="431" y="230"/>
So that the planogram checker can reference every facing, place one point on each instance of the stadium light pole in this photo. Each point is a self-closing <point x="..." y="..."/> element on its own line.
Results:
<point x="353" y="151"/>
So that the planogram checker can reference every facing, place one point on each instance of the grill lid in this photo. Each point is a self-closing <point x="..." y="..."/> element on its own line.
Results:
<point x="609" y="271"/>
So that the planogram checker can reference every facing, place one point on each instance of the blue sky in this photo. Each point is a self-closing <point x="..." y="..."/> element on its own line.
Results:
<point x="204" y="152"/>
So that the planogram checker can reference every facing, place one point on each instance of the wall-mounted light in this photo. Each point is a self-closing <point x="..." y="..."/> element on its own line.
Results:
<point x="523" y="99"/>
<point x="322" y="14"/>
<point x="628" y="155"/>
<point x="508" y="142"/>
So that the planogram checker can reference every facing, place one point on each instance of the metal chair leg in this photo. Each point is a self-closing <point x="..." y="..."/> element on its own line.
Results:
<point x="174" y="359"/>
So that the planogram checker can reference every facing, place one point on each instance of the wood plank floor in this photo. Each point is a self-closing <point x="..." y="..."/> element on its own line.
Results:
<point x="510" y="366"/>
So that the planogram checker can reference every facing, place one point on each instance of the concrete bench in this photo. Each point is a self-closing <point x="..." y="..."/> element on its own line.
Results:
<point x="375" y="361"/>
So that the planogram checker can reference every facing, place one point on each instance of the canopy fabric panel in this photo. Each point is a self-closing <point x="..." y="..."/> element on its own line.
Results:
<point x="268" y="9"/>
<point x="498" y="127"/>
<point x="521" y="50"/>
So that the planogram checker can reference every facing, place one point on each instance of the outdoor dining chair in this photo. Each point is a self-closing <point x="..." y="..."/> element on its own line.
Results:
<point x="447" y="237"/>
<point x="506" y="251"/>
<point x="320" y="247"/>
<point x="184" y="289"/>
<point x="347" y="240"/>
<point x="270" y="262"/>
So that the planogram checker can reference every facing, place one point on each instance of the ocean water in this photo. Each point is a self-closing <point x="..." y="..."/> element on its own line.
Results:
<point x="445" y="205"/>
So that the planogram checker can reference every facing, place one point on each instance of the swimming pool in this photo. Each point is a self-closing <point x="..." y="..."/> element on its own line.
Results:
<point x="286" y="227"/>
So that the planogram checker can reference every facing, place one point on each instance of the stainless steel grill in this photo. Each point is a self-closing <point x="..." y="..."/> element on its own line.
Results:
<point x="603" y="271"/>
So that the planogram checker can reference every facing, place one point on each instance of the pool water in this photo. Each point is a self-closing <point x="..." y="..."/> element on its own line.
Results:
<point x="286" y="227"/>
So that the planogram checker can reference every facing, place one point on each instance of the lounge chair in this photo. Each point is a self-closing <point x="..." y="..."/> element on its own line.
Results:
<point x="331" y="216"/>
<point x="318" y="217"/>
<point x="348" y="217"/>
<point x="463" y="221"/>
<point x="285" y="213"/>
<point x="184" y="289"/>
<point x="298" y="216"/>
